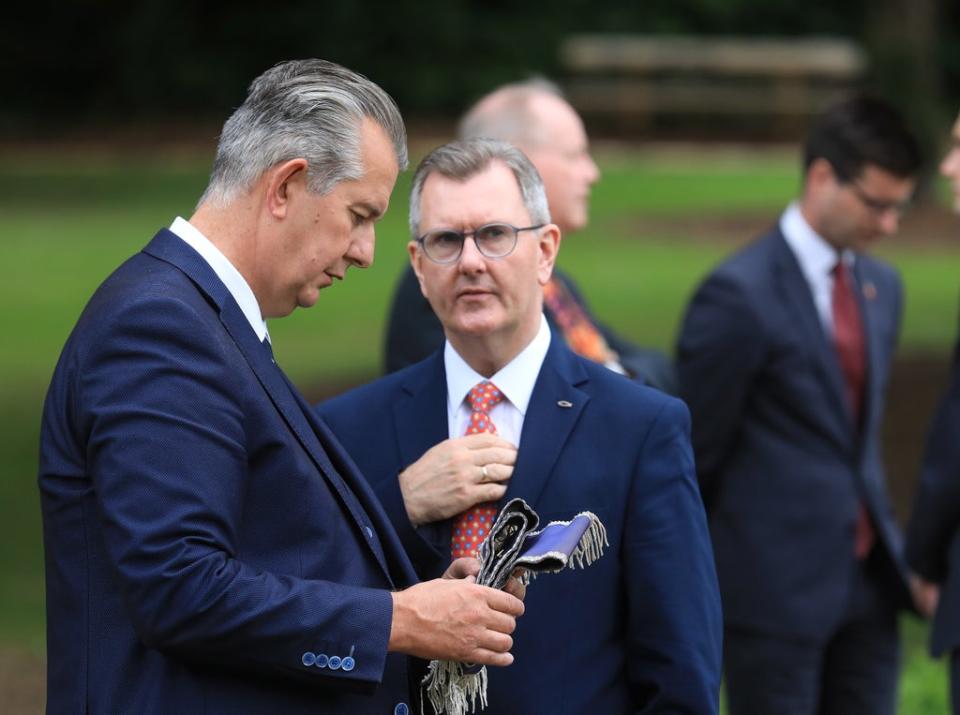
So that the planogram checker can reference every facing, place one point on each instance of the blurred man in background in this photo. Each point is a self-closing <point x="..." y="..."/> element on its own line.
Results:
<point x="933" y="536"/>
<point x="535" y="118"/>
<point x="783" y="359"/>
<point x="502" y="409"/>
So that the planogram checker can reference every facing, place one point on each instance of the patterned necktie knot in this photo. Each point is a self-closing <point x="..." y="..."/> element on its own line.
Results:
<point x="482" y="398"/>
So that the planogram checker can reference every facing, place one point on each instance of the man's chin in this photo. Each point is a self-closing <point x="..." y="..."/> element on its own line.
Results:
<point x="308" y="299"/>
<point x="475" y="326"/>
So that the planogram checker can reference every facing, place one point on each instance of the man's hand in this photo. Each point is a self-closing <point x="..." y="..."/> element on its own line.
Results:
<point x="455" y="475"/>
<point x="454" y="619"/>
<point x="926" y="595"/>
<point x="468" y="568"/>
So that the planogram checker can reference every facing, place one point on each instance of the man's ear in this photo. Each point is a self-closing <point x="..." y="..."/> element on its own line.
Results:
<point x="548" y="242"/>
<point x="283" y="180"/>
<point x="820" y="173"/>
<point x="416" y="262"/>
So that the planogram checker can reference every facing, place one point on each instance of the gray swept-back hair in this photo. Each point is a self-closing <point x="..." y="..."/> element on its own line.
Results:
<point x="506" y="113"/>
<point x="309" y="109"/>
<point x="461" y="160"/>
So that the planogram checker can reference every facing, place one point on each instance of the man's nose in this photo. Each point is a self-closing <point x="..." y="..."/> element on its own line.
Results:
<point x="362" y="249"/>
<point x="471" y="260"/>
<point x="890" y="221"/>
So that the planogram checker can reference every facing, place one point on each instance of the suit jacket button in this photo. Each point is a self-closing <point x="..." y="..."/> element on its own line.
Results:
<point x="401" y="709"/>
<point x="348" y="664"/>
<point x="308" y="659"/>
<point x="322" y="661"/>
<point x="334" y="662"/>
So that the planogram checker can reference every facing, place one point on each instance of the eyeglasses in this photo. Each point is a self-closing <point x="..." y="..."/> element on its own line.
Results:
<point x="494" y="240"/>
<point x="878" y="206"/>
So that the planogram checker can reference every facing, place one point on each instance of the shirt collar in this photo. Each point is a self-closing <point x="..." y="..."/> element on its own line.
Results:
<point x="815" y="255"/>
<point x="226" y="272"/>
<point x="515" y="379"/>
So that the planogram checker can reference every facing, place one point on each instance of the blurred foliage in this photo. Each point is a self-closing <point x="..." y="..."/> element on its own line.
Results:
<point x="106" y="60"/>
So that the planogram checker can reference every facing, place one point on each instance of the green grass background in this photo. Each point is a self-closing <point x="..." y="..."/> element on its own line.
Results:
<point x="68" y="218"/>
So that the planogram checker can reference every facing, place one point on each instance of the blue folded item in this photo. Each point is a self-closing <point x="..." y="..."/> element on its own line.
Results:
<point x="514" y="543"/>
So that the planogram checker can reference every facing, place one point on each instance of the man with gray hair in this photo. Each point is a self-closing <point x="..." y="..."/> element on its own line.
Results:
<point x="534" y="117"/>
<point x="209" y="545"/>
<point x="505" y="409"/>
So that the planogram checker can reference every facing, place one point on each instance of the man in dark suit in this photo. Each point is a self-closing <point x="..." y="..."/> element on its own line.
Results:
<point x="639" y="631"/>
<point x="209" y="545"/>
<point x="933" y="536"/>
<point x="783" y="359"/>
<point x="534" y="117"/>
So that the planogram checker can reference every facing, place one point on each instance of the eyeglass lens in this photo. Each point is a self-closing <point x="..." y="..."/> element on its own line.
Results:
<point x="493" y="241"/>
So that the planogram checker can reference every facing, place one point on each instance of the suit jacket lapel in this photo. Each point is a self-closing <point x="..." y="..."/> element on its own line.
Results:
<point x="799" y="302"/>
<point x="167" y="246"/>
<point x="420" y="421"/>
<point x="344" y="468"/>
<point x="420" y="415"/>
<point x="555" y="406"/>
<point x="872" y="315"/>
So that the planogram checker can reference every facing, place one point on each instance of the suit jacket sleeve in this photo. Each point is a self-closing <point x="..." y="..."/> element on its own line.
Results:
<point x="675" y="622"/>
<point x="718" y="353"/>
<point x="158" y="403"/>
<point x="936" y="510"/>
<point x="413" y="330"/>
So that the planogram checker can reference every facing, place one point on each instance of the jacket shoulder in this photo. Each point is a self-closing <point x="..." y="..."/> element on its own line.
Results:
<point x="376" y="395"/>
<point x="618" y="395"/>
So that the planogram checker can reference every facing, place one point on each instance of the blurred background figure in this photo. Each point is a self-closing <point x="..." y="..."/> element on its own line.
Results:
<point x="783" y="358"/>
<point x="933" y="546"/>
<point x="534" y="117"/>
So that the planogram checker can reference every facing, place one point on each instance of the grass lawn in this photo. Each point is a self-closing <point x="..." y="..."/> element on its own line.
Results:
<point x="660" y="220"/>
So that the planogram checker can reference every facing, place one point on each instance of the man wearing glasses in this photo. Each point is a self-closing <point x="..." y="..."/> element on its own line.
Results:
<point x="783" y="359"/>
<point x="506" y="409"/>
<point x="535" y="118"/>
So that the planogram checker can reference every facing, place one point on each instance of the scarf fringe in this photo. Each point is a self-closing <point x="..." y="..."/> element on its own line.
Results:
<point x="452" y="691"/>
<point x="590" y="547"/>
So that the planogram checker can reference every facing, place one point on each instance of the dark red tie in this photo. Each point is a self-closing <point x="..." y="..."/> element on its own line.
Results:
<point x="849" y="339"/>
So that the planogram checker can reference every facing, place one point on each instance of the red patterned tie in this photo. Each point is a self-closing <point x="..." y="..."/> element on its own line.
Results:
<point x="470" y="527"/>
<point x="849" y="339"/>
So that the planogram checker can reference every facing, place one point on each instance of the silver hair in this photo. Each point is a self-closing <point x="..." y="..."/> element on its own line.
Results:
<point x="309" y="109"/>
<point x="506" y="113"/>
<point x="463" y="159"/>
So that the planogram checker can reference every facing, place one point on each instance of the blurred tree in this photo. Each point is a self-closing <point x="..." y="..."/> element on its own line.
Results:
<point x="96" y="61"/>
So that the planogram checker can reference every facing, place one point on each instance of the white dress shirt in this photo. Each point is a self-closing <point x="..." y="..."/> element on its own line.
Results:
<point x="228" y="275"/>
<point x="817" y="259"/>
<point x="515" y="380"/>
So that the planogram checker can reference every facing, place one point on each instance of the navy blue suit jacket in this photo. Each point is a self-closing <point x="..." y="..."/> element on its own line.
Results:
<point x="640" y="630"/>
<point x="782" y="465"/>
<point x="205" y="534"/>
<point x="933" y="536"/>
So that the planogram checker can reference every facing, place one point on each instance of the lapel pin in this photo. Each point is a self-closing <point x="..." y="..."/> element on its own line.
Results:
<point x="564" y="403"/>
<point x="869" y="290"/>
